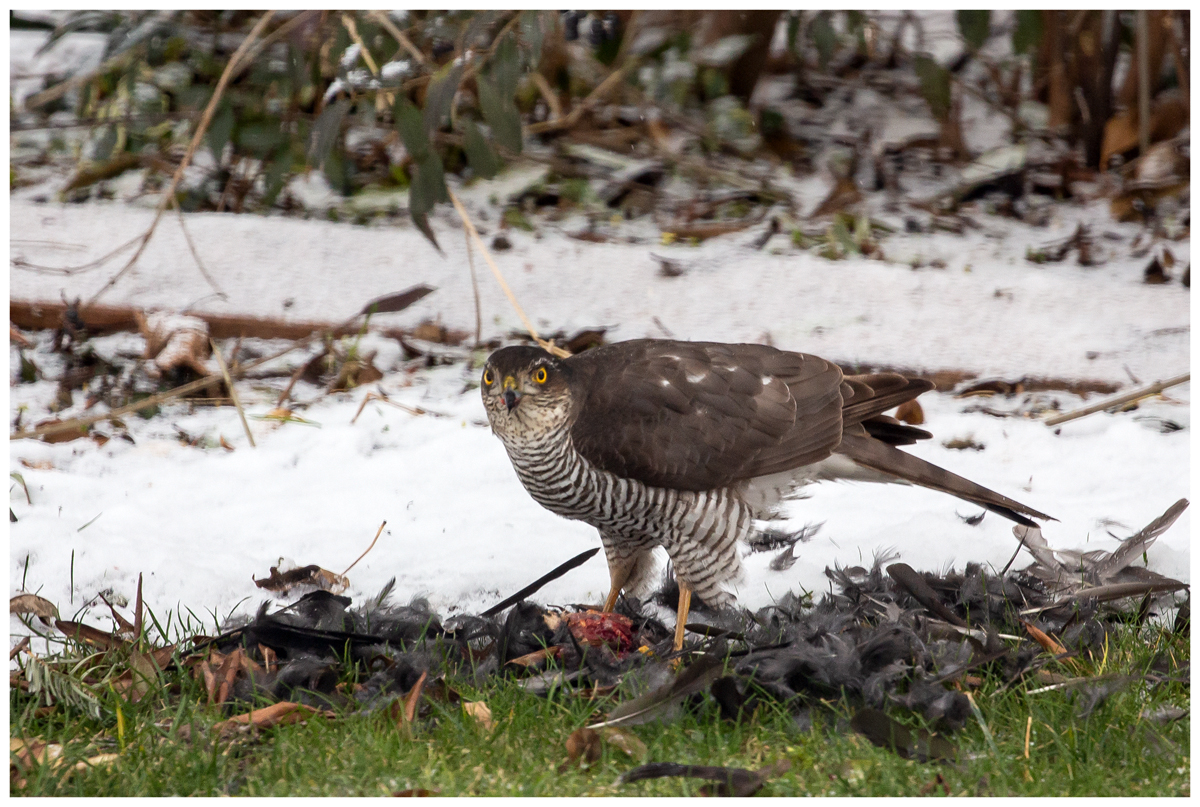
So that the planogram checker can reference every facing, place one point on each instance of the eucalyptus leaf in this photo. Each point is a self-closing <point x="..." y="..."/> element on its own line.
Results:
<point x="500" y="113"/>
<point x="220" y="129"/>
<point x="427" y="189"/>
<point x="481" y="157"/>
<point x="935" y="85"/>
<point x="1028" y="33"/>
<point x="505" y="67"/>
<point x="260" y="138"/>
<point x="326" y="130"/>
<point x="532" y="37"/>
<point x="440" y="95"/>
<point x="821" y="32"/>
<point x="974" y="25"/>
<point x="411" y="127"/>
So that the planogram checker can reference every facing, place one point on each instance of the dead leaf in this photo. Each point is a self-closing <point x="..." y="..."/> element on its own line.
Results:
<point x="38" y="465"/>
<point x="173" y="341"/>
<point x="482" y="714"/>
<point x="418" y="791"/>
<point x="404" y="712"/>
<point x="42" y="608"/>
<point x="283" y="582"/>
<point x="88" y="635"/>
<point x="844" y="194"/>
<point x="1048" y="644"/>
<point x="61" y="436"/>
<point x="1155" y="273"/>
<point x="397" y="302"/>
<point x="277" y="714"/>
<point x="911" y="413"/>
<point x="938" y="781"/>
<point x="583" y="747"/>
<point x="537" y="656"/>
<point x="963" y="443"/>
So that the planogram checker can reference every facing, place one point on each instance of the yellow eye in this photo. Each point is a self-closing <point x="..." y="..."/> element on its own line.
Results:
<point x="487" y="377"/>
<point x="539" y="375"/>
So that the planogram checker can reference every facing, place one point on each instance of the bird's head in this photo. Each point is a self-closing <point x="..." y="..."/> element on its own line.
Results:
<point x="526" y="391"/>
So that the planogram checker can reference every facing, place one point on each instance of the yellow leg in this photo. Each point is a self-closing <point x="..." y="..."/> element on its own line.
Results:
<point x="619" y="576"/>
<point x="685" y="604"/>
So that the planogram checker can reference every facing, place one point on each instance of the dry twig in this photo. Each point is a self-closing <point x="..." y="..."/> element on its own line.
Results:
<point x="231" y="69"/>
<point x="487" y="256"/>
<point x="1108" y="403"/>
<point x="232" y="392"/>
<point x="368" y="549"/>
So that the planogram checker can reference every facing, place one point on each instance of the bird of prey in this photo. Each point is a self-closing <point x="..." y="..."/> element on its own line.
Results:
<point x="685" y="445"/>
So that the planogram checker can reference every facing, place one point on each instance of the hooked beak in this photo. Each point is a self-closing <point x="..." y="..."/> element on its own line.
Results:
<point x="511" y="395"/>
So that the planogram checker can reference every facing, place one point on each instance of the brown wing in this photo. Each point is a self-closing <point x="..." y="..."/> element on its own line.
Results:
<point x="699" y="415"/>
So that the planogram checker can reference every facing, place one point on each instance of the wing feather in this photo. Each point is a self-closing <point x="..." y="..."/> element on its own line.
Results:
<point x="699" y="415"/>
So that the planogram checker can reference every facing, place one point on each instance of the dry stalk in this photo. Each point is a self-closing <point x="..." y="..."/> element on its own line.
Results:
<point x="595" y="96"/>
<point x="383" y="19"/>
<point x="234" y="66"/>
<point x="487" y="256"/>
<point x="368" y="549"/>
<point x="474" y="288"/>
<point x="62" y="88"/>
<point x="1108" y="403"/>
<point x="548" y="93"/>
<point x="385" y="98"/>
<point x="187" y="235"/>
<point x="412" y="410"/>
<point x="232" y="392"/>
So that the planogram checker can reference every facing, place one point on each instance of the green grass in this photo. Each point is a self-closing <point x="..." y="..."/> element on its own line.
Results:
<point x="166" y="746"/>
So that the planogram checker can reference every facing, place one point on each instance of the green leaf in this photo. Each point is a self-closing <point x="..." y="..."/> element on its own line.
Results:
<point x="974" y="25"/>
<point x="411" y="128"/>
<point x="1028" y="33"/>
<point x="821" y="32"/>
<point x="326" y="130"/>
<point x="532" y="37"/>
<point x="482" y="158"/>
<point x="105" y="144"/>
<point x="427" y="189"/>
<point x="935" y="85"/>
<point x="336" y="172"/>
<point x="500" y="113"/>
<point x="260" y="139"/>
<point x="440" y="95"/>
<point x="220" y="129"/>
<point x="505" y="68"/>
<point x="793" y="31"/>
<point x="275" y="176"/>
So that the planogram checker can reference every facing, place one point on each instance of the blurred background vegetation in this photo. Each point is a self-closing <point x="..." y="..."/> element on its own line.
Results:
<point x="393" y="102"/>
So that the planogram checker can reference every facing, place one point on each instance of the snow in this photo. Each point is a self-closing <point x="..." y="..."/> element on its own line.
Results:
<point x="201" y="522"/>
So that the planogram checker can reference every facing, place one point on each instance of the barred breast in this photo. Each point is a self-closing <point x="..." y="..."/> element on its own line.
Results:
<point x="698" y="529"/>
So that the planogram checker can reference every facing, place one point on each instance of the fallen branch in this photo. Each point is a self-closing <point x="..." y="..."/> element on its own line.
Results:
<point x="1108" y="403"/>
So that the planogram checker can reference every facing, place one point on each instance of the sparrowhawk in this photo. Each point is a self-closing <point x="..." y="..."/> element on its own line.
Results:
<point x="685" y="445"/>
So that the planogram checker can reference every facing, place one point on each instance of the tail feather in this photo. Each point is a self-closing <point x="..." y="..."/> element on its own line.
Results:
<point x="879" y="456"/>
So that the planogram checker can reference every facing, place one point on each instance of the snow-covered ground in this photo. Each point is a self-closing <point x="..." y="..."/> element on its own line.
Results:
<point x="201" y="522"/>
